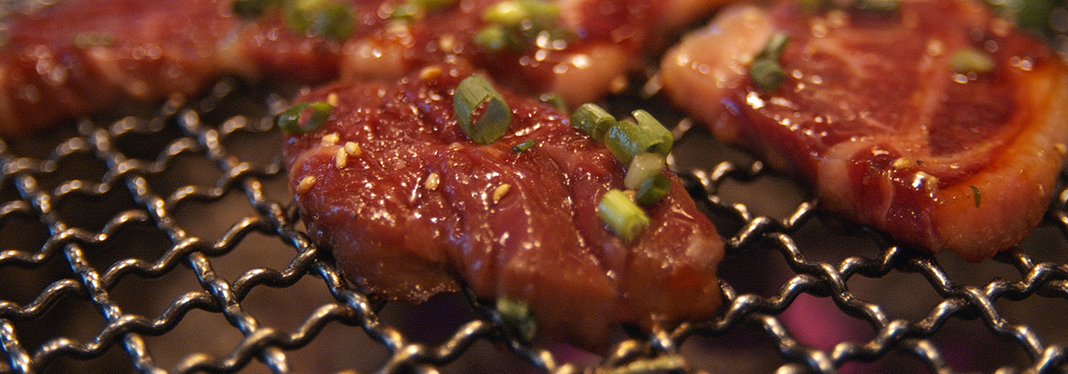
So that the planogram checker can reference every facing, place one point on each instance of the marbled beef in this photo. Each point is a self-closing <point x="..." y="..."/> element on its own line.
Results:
<point x="416" y="208"/>
<point x="77" y="57"/>
<point x="876" y="115"/>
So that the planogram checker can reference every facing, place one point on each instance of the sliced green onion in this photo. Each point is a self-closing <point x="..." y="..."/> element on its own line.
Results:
<point x="94" y="39"/>
<point x="774" y="47"/>
<point x="324" y="18"/>
<point x="653" y="128"/>
<point x="878" y="6"/>
<point x="508" y="13"/>
<point x="592" y="120"/>
<point x="1035" y="16"/>
<point x="623" y="217"/>
<point x="252" y="8"/>
<point x="542" y="13"/>
<point x="517" y="318"/>
<point x="627" y="139"/>
<point x="313" y="115"/>
<point x="412" y="9"/>
<point x="491" y="38"/>
<point x="405" y="12"/>
<point x="471" y="94"/>
<point x="767" y="74"/>
<point x="524" y="146"/>
<point x="813" y="6"/>
<point x="765" y="70"/>
<point x="554" y="99"/>
<point x="516" y="24"/>
<point x="977" y="196"/>
<point x="433" y="5"/>
<point x="971" y="60"/>
<point x="642" y="167"/>
<point x="515" y="13"/>
<point x="652" y="190"/>
<point x="335" y="23"/>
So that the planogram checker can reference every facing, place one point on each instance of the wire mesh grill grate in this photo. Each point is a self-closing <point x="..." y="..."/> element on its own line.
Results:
<point x="166" y="242"/>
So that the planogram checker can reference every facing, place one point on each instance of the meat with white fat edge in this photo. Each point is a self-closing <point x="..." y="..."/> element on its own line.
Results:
<point x="932" y="120"/>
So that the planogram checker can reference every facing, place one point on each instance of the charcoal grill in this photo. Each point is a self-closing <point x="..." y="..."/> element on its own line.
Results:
<point x="163" y="240"/>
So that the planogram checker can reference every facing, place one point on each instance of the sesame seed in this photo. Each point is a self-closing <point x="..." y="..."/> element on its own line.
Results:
<point x="341" y="159"/>
<point x="352" y="149"/>
<point x="432" y="181"/>
<point x="329" y="140"/>
<point x="430" y="72"/>
<point x="901" y="163"/>
<point x="305" y="184"/>
<point x="500" y="192"/>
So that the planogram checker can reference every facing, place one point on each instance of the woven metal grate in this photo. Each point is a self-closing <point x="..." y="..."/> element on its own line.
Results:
<point x="165" y="241"/>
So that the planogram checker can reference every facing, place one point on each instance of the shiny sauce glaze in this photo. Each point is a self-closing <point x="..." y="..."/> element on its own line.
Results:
<point x="85" y="56"/>
<point x="420" y="209"/>
<point x="78" y="57"/>
<point x="873" y="114"/>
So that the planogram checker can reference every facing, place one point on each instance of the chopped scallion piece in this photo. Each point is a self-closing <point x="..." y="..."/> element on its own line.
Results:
<point x="642" y="167"/>
<point x="516" y="12"/>
<point x="765" y="70"/>
<point x="508" y="13"/>
<point x="517" y="24"/>
<point x="651" y="126"/>
<point x="324" y="18"/>
<point x="406" y="12"/>
<point x="492" y="38"/>
<point x="813" y="6"/>
<point x="978" y="197"/>
<point x="517" y="318"/>
<point x="878" y="6"/>
<point x="774" y="47"/>
<point x="94" y="39"/>
<point x="433" y="5"/>
<point x="767" y="74"/>
<point x="524" y="146"/>
<point x="971" y="60"/>
<point x="623" y="217"/>
<point x="1036" y="16"/>
<point x="412" y="9"/>
<point x="304" y="117"/>
<point x="555" y="99"/>
<point x="652" y="190"/>
<point x="471" y="94"/>
<point x="592" y="120"/>
<point x="626" y="139"/>
<point x="252" y="8"/>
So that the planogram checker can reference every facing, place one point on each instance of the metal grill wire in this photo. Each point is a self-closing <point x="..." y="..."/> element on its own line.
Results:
<point x="167" y="242"/>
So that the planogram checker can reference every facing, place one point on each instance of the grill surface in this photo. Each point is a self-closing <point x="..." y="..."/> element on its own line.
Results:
<point x="167" y="242"/>
<point x="164" y="240"/>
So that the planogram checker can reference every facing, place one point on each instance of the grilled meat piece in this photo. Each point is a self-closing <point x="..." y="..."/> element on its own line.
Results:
<point x="880" y="113"/>
<point x="416" y="208"/>
<point x="78" y="57"/>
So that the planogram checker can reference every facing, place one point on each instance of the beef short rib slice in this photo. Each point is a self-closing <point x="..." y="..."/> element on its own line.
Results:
<point x="73" y="58"/>
<point x="420" y="209"/>
<point x="875" y="116"/>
